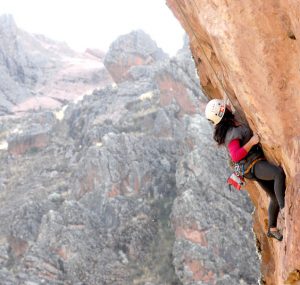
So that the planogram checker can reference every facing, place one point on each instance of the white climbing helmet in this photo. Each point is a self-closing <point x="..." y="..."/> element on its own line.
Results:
<point x="215" y="110"/>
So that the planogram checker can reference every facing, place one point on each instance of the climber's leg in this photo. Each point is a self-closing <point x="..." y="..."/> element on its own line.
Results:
<point x="263" y="170"/>
<point x="273" y="209"/>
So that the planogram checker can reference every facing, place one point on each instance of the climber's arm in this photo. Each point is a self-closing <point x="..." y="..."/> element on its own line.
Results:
<point x="237" y="152"/>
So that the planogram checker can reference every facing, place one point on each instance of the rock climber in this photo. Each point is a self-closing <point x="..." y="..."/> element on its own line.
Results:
<point x="244" y="150"/>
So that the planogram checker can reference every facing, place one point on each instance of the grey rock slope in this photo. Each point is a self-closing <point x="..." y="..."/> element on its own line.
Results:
<point x="122" y="190"/>
<point x="212" y="224"/>
<point x="36" y="72"/>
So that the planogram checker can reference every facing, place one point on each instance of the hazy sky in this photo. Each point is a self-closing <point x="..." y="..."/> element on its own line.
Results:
<point x="96" y="23"/>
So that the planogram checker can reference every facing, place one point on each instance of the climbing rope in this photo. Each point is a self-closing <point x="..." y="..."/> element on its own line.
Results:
<point x="226" y="98"/>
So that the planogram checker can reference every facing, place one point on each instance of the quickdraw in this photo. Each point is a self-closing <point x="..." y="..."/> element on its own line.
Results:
<point x="239" y="167"/>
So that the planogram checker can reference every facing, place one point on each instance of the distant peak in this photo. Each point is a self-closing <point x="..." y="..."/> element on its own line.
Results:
<point x="133" y="49"/>
<point x="7" y="23"/>
<point x="7" y="19"/>
<point x="137" y="42"/>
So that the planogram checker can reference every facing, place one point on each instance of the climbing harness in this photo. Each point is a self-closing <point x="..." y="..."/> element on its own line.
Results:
<point x="250" y="167"/>
<point x="239" y="167"/>
<point x="236" y="179"/>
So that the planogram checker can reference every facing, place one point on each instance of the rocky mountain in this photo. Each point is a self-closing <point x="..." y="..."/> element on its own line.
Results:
<point x="124" y="186"/>
<point x="250" y="50"/>
<point x="37" y="72"/>
<point x="128" y="51"/>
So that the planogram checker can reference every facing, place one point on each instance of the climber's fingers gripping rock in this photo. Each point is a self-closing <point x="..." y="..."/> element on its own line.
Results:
<point x="255" y="139"/>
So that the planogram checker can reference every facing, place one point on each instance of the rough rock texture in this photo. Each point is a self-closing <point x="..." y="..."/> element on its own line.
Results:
<point x="252" y="49"/>
<point x="211" y="228"/>
<point x="117" y="189"/>
<point x="36" y="72"/>
<point x="125" y="52"/>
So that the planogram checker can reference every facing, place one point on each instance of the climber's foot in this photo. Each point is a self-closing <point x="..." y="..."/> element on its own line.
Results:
<point x="275" y="234"/>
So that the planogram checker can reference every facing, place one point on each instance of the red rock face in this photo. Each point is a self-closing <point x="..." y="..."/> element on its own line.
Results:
<point x="171" y="90"/>
<point x="18" y="246"/>
<point x="22" y="144"/>
<point x="127" y="187"/>
<point x="199" y="273"/>
<point x="119" y="70"/>
<point x="193" y="235"/>
<point x="252" y="49"/>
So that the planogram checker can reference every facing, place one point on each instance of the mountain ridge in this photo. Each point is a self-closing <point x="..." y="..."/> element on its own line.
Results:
<point x="36" y="70"/>
<point x="115" y="188"/>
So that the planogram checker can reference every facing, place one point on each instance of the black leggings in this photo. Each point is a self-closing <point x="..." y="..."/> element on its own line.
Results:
<point x="272" y="180"/>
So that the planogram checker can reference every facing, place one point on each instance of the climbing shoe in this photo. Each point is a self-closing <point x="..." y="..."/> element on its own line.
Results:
<point x="275" y="234"/>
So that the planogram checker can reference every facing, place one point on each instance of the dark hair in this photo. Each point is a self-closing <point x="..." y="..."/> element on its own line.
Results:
<point x="221" y="128"/>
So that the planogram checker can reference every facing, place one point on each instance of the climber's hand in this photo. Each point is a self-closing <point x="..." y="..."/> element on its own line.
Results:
<point x="254" y="139"/>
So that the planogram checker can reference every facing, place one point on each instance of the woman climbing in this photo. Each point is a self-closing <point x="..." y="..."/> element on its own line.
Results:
<point x="244" y="151"/>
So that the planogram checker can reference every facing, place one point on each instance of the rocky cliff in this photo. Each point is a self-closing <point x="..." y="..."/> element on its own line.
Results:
<point x="39" y="73"/>
<point x="250" y="50"/>
<point x="118" y="189"/>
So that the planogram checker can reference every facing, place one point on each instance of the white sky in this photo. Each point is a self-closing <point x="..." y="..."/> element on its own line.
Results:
<point x="96" y="23"/>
